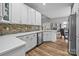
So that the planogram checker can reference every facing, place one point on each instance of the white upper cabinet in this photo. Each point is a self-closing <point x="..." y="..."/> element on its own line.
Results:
<point x="38" y="18"/>
<point x="24" y="14"/>
<point x="0" y="9"/>
<point x="16" y="13"/>
<point x="31" y="16"/>
<point x="34" y="17"/>
<point x="19" y="13"/>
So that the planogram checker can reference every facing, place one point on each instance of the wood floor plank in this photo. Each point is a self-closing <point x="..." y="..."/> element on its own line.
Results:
<point x="58" y="48"/>
<point x="55" y="51"/>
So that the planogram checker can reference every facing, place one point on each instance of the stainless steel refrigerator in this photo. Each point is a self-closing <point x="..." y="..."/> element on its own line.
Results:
<point x="72" y="34"/>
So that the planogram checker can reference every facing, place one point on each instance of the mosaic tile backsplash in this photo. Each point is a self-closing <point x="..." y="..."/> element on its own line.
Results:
<point x="16" y="28"/>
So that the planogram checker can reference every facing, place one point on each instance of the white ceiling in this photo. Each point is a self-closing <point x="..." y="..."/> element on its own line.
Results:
<point x="52" y="10"/>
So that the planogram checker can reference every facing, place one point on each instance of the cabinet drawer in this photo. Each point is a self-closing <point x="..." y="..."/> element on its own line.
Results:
<point x="23" y="37"/>
<point x="31" y="41"/>
<point x="26" y="37"/>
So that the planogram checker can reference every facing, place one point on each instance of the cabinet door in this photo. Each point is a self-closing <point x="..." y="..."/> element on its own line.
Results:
<point x="34" y="40"/>
<point x="26" y="38"/>
<point x="49" y="36"/>
<point x="0" y="9"/>
<point x="38" y="18"/>
<point x="24" y="14"/>
<point x="45" y="36"/>
<point x="32" y="16"/>
<point x="16" y="13"/>
<point x="31" y="41"/>
<point x="29" y="15"/>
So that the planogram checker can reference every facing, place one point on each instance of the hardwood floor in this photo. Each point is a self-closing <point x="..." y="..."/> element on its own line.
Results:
<point x="58" y="48"/>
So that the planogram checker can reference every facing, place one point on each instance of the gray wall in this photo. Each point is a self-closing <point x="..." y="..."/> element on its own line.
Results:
<point x="54" y="20"/>
<point x="45" y="19"/>
<point x="59" y="20"/>
<point x="46" y="22"/>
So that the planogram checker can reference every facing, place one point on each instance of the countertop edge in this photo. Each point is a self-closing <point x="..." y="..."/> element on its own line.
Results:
<point x="26" y="33"/>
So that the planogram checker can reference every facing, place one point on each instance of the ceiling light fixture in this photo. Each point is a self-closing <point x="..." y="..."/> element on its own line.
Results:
<point x="44" y="3"/>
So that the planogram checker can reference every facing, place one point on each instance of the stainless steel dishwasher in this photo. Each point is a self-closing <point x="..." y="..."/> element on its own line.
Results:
<point x="39" y="38"/>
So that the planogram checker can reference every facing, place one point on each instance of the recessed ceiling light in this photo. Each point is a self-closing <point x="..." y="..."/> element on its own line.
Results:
<point x="44" y="3"/>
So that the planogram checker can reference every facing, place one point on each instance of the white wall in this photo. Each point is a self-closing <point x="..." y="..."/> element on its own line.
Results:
<point x="55" y="20"/>
<point x="59" y="20"/>
<point x="60" y="12"/>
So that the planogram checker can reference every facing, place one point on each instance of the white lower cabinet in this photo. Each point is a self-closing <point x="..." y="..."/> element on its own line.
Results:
<point x="49" y="36"/>
<point x="46" y="36"/>
<point x="31" y="41"/>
